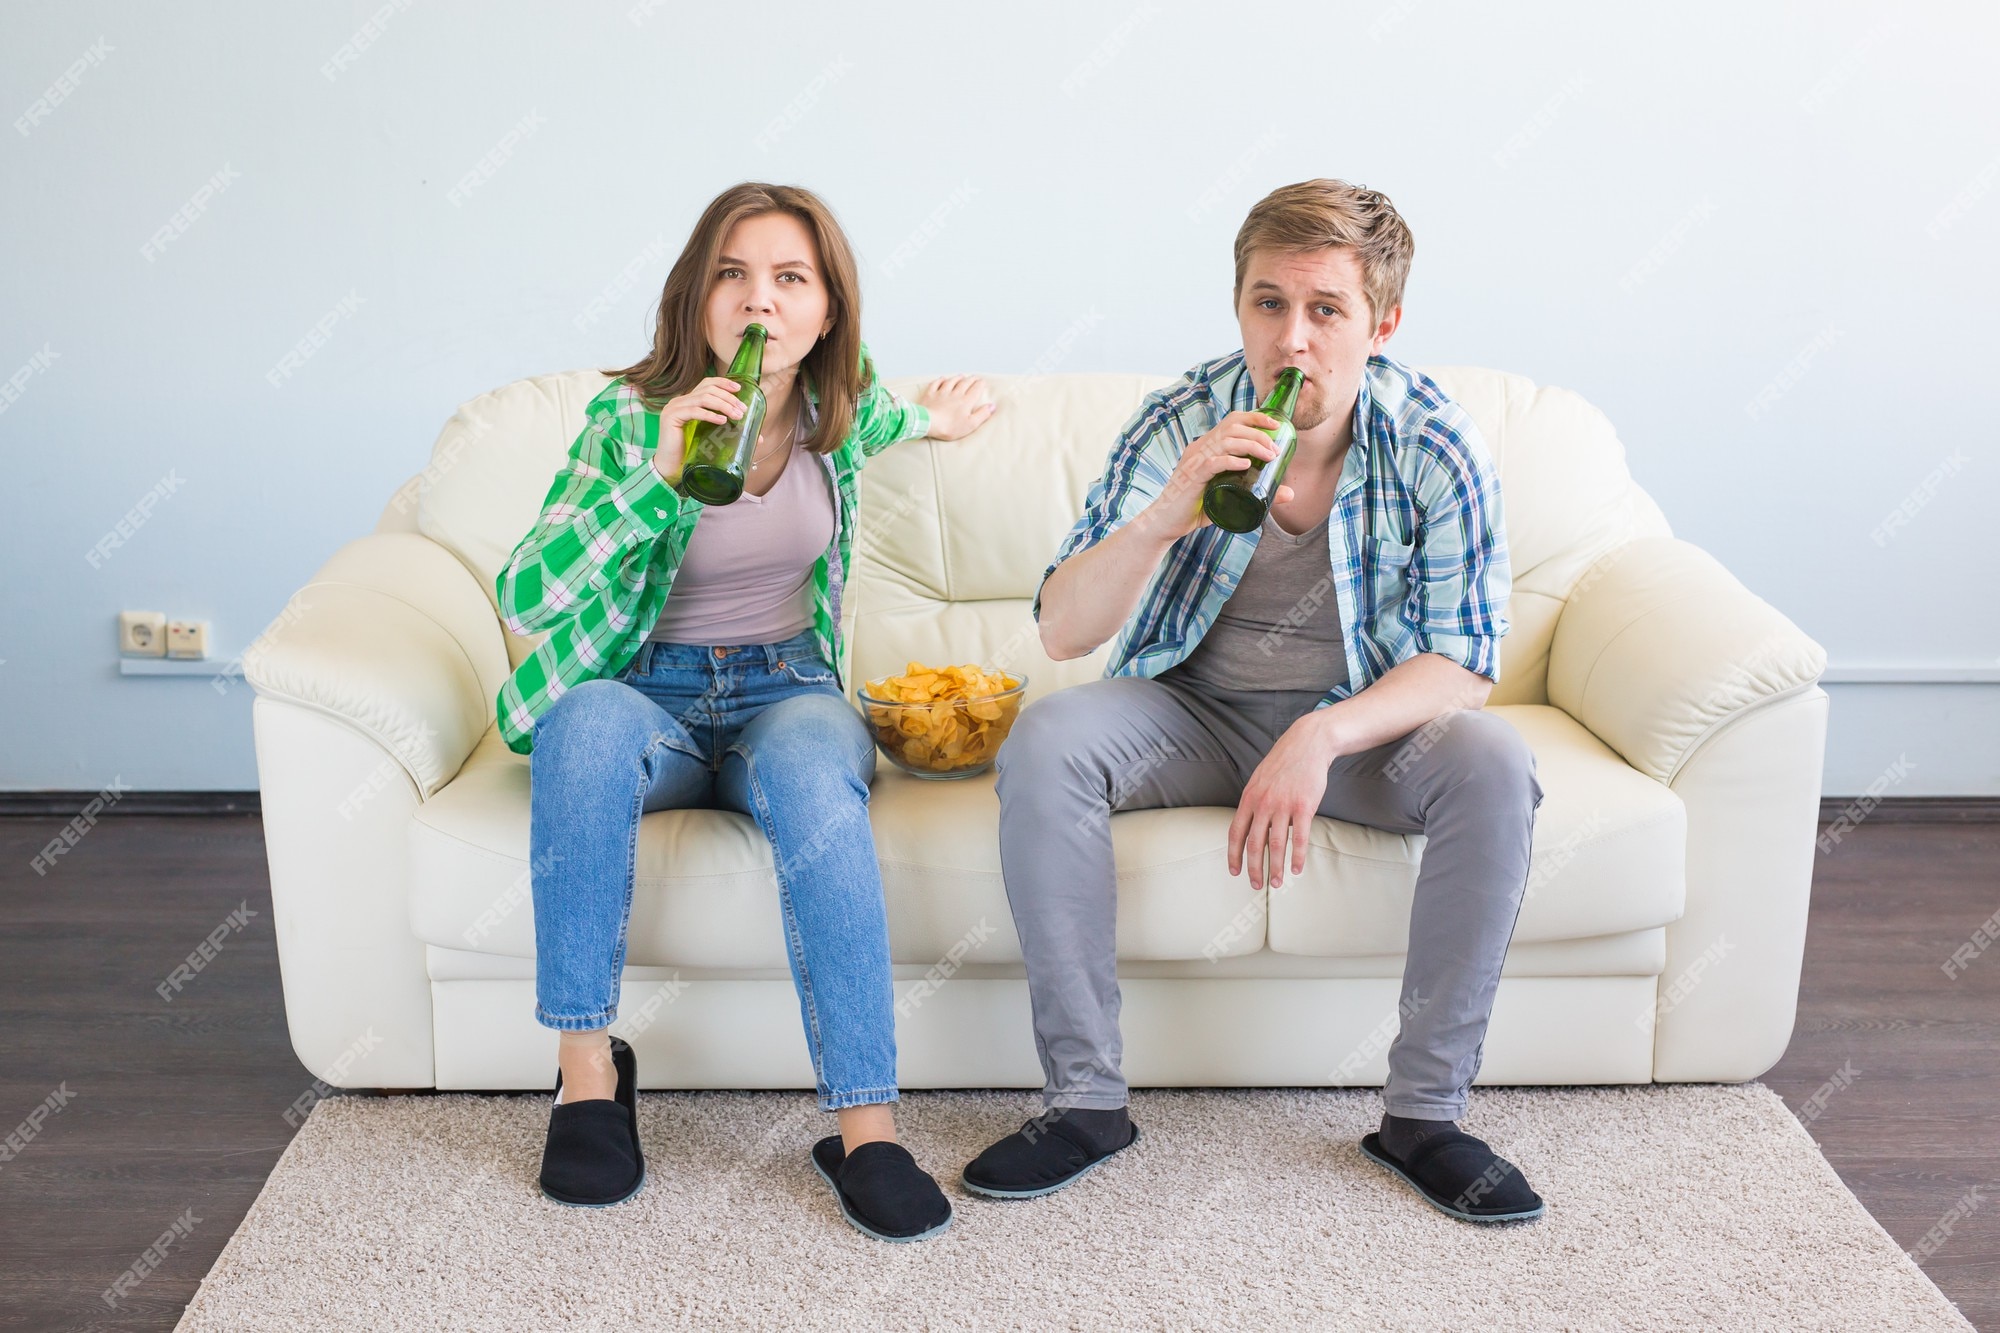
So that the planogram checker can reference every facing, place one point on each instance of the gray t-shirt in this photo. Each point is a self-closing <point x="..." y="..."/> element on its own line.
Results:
<point x="1280" y="629"/>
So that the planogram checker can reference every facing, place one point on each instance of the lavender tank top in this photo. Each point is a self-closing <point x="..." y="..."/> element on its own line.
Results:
<point x="746" y="576"/>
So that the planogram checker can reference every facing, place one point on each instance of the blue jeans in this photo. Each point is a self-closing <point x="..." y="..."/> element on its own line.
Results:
<point x="758" y="728"/>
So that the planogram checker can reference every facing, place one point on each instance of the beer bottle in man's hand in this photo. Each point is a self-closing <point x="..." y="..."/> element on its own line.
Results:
<point x="1238" y="499"/>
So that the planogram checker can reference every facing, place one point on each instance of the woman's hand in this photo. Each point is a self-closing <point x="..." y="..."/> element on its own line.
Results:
<point x="958" y="404"/>
<point x="714" y="399"/>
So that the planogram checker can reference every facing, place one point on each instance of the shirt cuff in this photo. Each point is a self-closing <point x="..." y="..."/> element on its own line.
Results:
<point x="1478" y="653"/>
<point x="646" y="498"/>
<point x="916" y="423"/>
<point x="1035" y="607"/>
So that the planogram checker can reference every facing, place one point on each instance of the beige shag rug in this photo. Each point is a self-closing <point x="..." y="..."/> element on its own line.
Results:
<point x="1670" y="1207"/>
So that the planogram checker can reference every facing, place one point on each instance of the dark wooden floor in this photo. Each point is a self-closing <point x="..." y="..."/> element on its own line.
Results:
<point x="1919" y="1125"/>
<point x="178" y="1107"/>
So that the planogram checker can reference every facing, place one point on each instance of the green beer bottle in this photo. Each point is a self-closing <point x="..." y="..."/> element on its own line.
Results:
<point x="718" y="452"/>
<point x="1238" y="498"/>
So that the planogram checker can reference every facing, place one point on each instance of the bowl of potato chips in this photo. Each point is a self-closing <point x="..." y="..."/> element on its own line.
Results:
<point x="944" y="721"/>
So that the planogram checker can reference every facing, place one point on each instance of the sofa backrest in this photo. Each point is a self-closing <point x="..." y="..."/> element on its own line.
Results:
<point x="954" y="536"/>
<point x="492" y="464"/>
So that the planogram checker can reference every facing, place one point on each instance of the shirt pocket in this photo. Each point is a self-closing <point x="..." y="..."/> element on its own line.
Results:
<point x="1388" y="581"/>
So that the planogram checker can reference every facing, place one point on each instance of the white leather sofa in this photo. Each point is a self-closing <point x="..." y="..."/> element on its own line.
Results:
<point x="1675" y="717"/>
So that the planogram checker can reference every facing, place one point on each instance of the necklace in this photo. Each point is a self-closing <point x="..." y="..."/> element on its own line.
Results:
<point x="789" y="436"/>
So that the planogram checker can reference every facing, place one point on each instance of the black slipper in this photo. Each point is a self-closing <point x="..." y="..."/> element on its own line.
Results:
<point x="1039" y="1158"/>
<point x="882" y="1190"/>
<point x="592" y="1157"/>
<point x="1460" y="1175"/>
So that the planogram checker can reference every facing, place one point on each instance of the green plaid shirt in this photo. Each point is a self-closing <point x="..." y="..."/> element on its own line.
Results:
<point x="596" y="567"/>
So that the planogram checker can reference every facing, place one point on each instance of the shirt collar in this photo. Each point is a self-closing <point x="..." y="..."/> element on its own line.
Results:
<point x="812" y="398"/>
<point x="1364" y="424"/>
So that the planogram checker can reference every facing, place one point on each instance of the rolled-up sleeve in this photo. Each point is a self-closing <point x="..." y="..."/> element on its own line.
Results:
<point x="1460" y="577"/>
<point x="882" y="418"/>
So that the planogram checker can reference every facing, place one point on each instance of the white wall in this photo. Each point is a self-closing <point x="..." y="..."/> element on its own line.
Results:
<point x="1791" y="168"/>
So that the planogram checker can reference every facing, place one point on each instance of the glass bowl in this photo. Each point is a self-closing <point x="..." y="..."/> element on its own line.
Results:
<point x="953" y="737"/>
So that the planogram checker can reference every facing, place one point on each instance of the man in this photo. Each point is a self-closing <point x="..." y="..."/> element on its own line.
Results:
<point x="1235" y="679"/>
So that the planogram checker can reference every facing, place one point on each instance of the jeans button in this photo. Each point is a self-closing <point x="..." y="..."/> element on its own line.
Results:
<point x="721" y="652"/>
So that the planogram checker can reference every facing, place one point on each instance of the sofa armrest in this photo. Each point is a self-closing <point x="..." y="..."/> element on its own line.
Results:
<point x="395" y="638"/>
<point x="1658" y="647"/>
<point x="1705" y="687"/>
<point x="372" y="688"/>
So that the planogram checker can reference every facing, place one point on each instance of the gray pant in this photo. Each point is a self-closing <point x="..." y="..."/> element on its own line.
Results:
<point x="1465" y="780"/>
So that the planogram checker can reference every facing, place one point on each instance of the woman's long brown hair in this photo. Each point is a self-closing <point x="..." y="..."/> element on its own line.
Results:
<point x="680" y="358"/>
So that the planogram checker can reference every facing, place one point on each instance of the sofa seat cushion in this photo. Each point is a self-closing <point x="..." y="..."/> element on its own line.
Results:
<point x="705" y="892"/>
<point x="1609" y="857"/>
<point x="1608" y="861"/>
<point x="1635" y="953"/>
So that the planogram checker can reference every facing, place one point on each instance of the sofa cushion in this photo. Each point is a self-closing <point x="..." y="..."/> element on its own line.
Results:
<point x="1634" y="953"/>
<point x="1609" y="856"/>
<point x="1608" y="860"/>
<point x="705" y="893"/>
<point x="490" y="469"/>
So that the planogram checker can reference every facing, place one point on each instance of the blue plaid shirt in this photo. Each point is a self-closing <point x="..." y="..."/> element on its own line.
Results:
<point x="1420" y="561"/>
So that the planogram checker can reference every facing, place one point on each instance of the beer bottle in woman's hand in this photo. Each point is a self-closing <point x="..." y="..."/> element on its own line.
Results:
<point x="718" y="452"/>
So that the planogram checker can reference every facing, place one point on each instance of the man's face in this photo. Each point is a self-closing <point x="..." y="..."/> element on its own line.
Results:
<point x="1309" y="309"/>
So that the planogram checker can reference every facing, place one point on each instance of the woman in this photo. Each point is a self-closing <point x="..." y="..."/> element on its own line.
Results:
<point x="690" y="664"/>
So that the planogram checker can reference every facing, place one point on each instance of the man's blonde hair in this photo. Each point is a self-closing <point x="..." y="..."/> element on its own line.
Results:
<point x="1315" y="214"/>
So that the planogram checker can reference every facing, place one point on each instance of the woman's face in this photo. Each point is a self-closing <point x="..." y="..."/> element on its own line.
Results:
<point x="769" y="274"/>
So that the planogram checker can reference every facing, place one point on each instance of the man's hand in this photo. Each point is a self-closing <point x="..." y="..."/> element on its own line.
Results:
<point x="958" y="404"/>
<point x="1283" y="795"/>
<point x="1280" y="800"/>
<point x="1231" y="446"/>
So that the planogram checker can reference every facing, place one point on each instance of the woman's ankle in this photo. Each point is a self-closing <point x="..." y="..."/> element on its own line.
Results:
<point x="587" y="1071"/>
<point x="866" y="1124"/>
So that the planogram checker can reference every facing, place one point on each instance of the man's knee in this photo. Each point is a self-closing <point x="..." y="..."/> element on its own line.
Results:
<point x="1044" y="733"/>
<point x="1483" y="747"/>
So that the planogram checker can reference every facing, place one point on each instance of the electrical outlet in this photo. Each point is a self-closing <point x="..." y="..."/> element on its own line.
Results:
<point x="142" y="633"/>
<point x="187" y="638"/>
